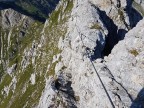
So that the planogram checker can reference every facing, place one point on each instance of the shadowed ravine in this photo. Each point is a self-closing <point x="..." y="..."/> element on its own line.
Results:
<point x="37" y="10"/>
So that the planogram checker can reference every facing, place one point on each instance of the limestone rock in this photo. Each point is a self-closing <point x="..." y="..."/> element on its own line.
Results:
<point x="126" y="64"/>
<point x="116" y="80"/>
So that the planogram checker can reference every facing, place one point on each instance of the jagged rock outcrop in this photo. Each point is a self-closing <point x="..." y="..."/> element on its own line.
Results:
<point x="126" y="64"/>
<point x="11" y="18"/>
<point x="100" y="82"/>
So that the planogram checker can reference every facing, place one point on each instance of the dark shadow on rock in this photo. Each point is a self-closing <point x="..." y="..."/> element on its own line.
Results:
<point x="135" y="17"/>
<point x="65" y="90"/>
<point x="112" y="37"/>
<point x="121" y="33"/>
<point x="37" y="9"/>
<point x="139" y="101"/>
<point x="115" y="34"/>
<point x="96" y="53"/>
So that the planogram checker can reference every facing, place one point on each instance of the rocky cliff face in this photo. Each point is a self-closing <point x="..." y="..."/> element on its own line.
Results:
<point x="88" y="54"/>
<point x="139" y="6"/>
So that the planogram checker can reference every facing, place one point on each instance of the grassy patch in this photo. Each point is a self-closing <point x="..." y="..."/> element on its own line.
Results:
<point x="33" y="33"/>
<point x="69" y="6"/>
<point x="77" y="98"/>
<point x="96" y="26"/>
<point x="134" y="52"/>
<point x="120" y="13"/>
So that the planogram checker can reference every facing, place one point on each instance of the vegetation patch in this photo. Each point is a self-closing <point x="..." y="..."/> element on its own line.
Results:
<point x="96" y="26"/>
<point x="77" y="98"/>
<point x="134" y="52"/>
<point x="120" y="13"/>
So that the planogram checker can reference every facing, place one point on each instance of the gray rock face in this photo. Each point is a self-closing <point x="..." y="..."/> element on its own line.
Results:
<point x="141" y="2"/>
<point x="11" y="18"/>
<point x="126" y="64"/>
<point x="116" y="80"/>
<point x="139" y="6"/>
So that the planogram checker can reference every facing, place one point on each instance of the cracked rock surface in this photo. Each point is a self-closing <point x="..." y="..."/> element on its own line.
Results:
<point x="116" y="80"/>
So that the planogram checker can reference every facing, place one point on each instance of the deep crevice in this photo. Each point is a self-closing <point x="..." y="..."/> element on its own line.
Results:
<point x="115" y="34"/>
<point x="139" y="101"/>
<point x="134" y="17"/>
<point x="112" y="37"/>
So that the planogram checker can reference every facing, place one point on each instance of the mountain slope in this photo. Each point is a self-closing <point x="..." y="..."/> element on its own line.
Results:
<point x="39" y="9"/>
<point x="27" y="50"/>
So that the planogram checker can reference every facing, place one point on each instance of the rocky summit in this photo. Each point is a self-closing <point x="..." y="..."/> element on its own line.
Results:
<point x="71" y="54"/>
